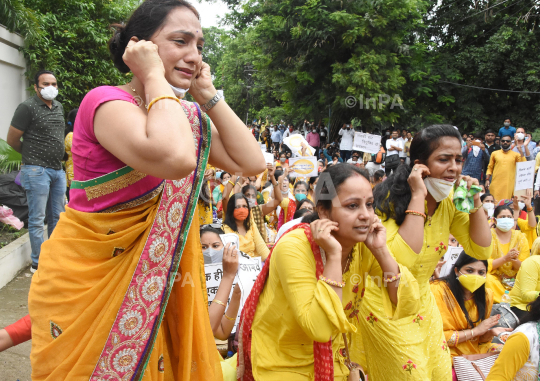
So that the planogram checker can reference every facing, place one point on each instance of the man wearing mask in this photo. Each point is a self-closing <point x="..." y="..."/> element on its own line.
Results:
<point x="288" y="131"/>
<point x="403" y="138"/>
<point x="393" y="147"/>
<point x="277" y="138"/>
<point x="501" y="172"/>
<point x="40" y="122"/>
<point x="507" y="130"/>
<point x="355" y="159"/>
<point x="523" y="144"/>
<point x="314" y="140"/>
<point x="475" y="155"/>
<point x="347" y="137"/>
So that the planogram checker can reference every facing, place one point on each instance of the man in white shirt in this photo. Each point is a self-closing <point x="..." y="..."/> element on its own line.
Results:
<point x="393" y="147"/>
<point x="403" y="138"/>
<point x="347" y="137"/>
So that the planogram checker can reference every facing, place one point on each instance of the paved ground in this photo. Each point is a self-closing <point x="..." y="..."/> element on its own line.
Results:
<point x="15" y="362"/>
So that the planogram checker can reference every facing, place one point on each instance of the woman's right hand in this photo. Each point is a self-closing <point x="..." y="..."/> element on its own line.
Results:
<point x="416" y="180"/>
<point x="486" y="325"/>
<point x="143" y="59"/>
<point x="321" y="230"/>
<point x="230" y="260"/>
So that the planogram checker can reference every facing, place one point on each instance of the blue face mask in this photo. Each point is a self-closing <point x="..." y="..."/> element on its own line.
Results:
<point x="300" y="196"/>
<point x="505" y="224"/>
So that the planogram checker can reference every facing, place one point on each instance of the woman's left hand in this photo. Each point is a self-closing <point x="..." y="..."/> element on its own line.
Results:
<point x="202" y="88"/>
<point x="376" y="239"/>
<point x="470" y="182"/>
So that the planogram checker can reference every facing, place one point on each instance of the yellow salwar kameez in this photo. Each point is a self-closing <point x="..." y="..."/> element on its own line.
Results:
<point x="502" y="168"/>
<point x="295" y="309"/>
<point x="205" y="213"/>
<point x="454" y="319"/>
<point x="528" y="231"/>
<point x="252" y="243"/>
<point x="527" y="286"/>
<point x="387" y="345"/>
<point x="69" y="162"/>
<point x="495" y="276"/>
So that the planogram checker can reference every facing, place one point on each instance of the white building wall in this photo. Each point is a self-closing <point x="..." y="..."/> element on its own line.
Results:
<point x="12" y="81"/>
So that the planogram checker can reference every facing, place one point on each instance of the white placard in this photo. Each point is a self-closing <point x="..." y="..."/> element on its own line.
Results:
<point x="366" y="142"/>
<point x="303" y="167"/>
<point x="450" y="257"/>
<point x="294" y="142"/>
<point x="524" y="175"/>
<point x="263" y="147"/>
<point x="248" y="270"/>
<point x="268" y="157"/>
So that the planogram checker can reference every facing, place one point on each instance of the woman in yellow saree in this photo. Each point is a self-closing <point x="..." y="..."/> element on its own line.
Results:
<point x="119" y="293"/>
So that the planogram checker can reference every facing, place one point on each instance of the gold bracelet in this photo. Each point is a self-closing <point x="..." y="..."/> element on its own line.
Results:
<point x="229" y="318"/>
<point x="219" y="302"/>
<point x="474" y="210"/>
<point x="230" y="182"/>
<point x="160" y="98"/>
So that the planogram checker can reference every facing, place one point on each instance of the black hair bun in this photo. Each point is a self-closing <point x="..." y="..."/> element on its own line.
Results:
<point x="117" y="47"/>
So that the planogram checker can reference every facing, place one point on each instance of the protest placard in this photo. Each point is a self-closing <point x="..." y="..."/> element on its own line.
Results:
<point x="524" y="177"/>
<point x="268" y="158"/>
<point x="303" y="167"/>
<point x="248" y="270"/>
<point x="450" y="257"/>
<point x="230" y="237"/>
<point x="366" y="142"/>
<point x="295" y="142"/>
<point x="263" y="147"/>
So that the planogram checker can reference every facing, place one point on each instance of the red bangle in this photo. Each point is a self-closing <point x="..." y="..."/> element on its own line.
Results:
<point x="415" y="213"/>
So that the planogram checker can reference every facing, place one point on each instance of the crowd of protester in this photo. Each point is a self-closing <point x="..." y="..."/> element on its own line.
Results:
<point x="356" y="276"/>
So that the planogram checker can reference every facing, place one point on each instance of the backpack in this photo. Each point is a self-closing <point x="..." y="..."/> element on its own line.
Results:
<point x="378" y="158"/>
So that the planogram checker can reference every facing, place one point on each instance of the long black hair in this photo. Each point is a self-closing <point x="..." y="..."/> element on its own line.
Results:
<point x="143" y="23"/>
<point x="455" y="286"/>
<point x="392" y="196"/>
<point x="71" y="121"/>
<point x="229" y="216"/>
<point x="533" y="314"/>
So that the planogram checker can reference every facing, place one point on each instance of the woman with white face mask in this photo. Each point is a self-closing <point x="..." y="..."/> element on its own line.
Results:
<point x="510" y="248"/>
<point x="465" y="306"/>
<point x="488" y="203"/>
<point x="415" y="205"/>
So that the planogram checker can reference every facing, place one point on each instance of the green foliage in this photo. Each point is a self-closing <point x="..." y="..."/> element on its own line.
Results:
<point x="10" y="160"/>
<point x="72" y="42"/>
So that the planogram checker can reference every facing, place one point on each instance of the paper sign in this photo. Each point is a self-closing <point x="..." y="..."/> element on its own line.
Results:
<point x="268" y="157"/>
<point x="303" y="167"/>
<point x="263" y="147"/>
<point x="294" y="142"/>
<point x="248" y="270"/>
<point x="524" y="175"/>
<point x="450" y="257"/>
<point x="230" y="237"/>
<point x="366" y="142"/>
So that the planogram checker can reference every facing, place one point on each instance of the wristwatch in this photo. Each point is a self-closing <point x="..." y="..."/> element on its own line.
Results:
<point x="211" y="103"/>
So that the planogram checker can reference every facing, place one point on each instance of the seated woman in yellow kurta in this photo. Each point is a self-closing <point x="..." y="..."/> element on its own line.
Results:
<point x="518" y="360"/>
<point x="237" y="220"/>
<point x="527" y="287"/>
<point x="465" y="306"/>
<point x="510" y="248"/>
<point x="311" y="287"/>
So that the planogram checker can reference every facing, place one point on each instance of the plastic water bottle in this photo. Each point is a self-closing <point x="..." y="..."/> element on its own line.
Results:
<point x="506" y="297"/>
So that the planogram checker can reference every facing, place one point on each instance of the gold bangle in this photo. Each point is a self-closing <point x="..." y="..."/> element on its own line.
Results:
<point x="474" y="210"/>
<point x="230" y="182"/>
<point x="219" y="302"/>
<point x="229" y="318"/>
<point x="160" y="98"/>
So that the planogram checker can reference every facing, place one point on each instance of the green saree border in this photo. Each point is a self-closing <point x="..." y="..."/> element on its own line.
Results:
<point x="102" y="179"/>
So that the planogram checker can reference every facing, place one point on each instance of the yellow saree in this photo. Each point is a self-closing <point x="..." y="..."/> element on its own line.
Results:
<point x="119" y="294"/>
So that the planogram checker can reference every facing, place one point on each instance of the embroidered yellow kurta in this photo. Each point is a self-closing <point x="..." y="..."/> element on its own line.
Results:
<point x="388" y="345"/>
<point x="295" y="309"/>
<point x="454" y="319"/>
<point x="528" y="231"/>
<point x="502" y="168"/>
<point x="527" y="287"/>
<point x="494" y="277"/>
<point x="69" y="162"/>
<point x="252" y="243"/>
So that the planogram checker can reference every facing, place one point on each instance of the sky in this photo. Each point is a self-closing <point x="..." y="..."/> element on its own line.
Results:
<point x="210" y="12"/>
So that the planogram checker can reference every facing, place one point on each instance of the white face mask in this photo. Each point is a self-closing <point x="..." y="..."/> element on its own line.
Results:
<point x="212" y="256"/>
<point x="438" y="188"/>
<point x="49" y="92"/>
<point x="505" y="224"/>
<point x="520" y="136"/>
<point x="489" y="208"/>
<point x="506" y="124"/>
<point x="252" y="202"/>
<point x="180" y="93"/>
